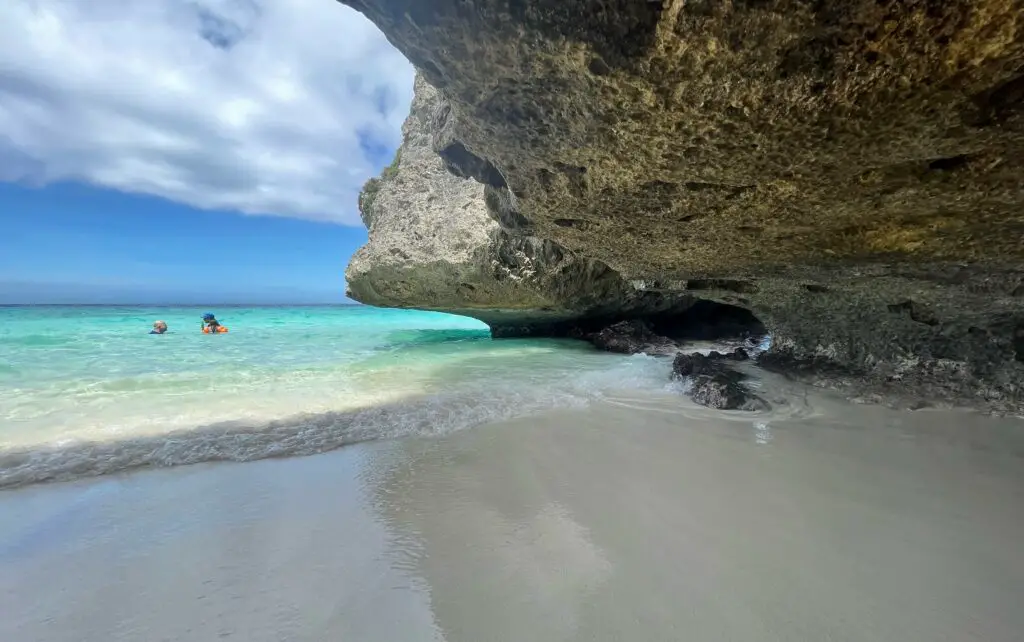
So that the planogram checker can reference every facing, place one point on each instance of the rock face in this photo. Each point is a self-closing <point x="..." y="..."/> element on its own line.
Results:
<point x="852" y="172"/>
<point x="434" y="246"/>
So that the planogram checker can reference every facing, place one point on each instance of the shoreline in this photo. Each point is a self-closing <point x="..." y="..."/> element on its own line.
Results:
<point x="306" y="434"/>
<point x="634" y="518"/>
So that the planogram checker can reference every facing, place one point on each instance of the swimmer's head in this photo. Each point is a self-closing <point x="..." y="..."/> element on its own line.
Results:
<point x="160" y="326"/>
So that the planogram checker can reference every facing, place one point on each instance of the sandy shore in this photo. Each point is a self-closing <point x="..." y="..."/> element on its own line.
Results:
<point x="642" y="518"/>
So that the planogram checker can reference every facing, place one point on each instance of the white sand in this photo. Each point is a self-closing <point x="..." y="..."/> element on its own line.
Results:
<point x="638" y="519"/>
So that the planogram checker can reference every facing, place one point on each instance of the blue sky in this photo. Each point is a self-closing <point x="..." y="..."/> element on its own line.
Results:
<point x="73" y="243"/>
<point x="189" y="151"/>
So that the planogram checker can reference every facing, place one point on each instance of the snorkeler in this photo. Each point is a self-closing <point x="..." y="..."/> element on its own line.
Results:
<point x="159" y="327"/>
<point x="211" y="325"/>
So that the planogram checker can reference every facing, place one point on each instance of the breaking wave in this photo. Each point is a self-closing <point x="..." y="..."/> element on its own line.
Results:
<point x="312" y="433"/>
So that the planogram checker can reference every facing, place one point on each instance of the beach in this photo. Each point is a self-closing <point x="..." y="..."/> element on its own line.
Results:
<point x="637" y="516"/>
<point x="511" y="321"/>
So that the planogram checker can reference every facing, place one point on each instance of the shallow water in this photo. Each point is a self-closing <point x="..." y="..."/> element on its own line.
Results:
<point x="638" y="517"/>
<point x="86" y="391"/>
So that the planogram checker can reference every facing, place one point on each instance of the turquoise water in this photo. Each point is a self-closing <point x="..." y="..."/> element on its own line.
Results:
<point x="86" y="390"/>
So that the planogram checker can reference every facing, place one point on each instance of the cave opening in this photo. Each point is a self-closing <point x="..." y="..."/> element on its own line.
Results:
<point x="703" y="320"/>
<point x="708" y="320"/>
<point x="671" y="329"/>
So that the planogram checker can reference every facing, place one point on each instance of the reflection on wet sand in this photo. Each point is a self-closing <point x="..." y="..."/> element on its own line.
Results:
<point x="642" y="517"/>
<point x="527" y="565"/>
<point x="836" y="522"/>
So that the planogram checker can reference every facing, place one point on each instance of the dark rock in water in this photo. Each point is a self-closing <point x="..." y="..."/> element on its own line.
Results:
<point x="714" y="383"/>
<point x="739" y="354"/>
<point x="687" y="365"/>
<point x="630" y="337"/>
<point x="719" y="391"/>
<point x="691" y="365"/>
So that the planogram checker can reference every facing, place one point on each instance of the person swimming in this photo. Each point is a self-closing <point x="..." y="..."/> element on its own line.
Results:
<point x="211" y="325"/>
<point x="159" y="327"/>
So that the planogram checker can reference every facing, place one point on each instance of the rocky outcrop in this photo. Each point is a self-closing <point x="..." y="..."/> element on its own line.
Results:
<point x="632" y="337"/>
<point x="849" y="171"/>
<point x="714" y="383"/>
<point x="433" y="245"/>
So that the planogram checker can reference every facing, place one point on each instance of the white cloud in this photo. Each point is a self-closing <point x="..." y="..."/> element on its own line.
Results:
<point x="262" y="106"/>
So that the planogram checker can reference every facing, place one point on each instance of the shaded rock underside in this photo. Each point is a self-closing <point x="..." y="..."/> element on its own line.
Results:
<point x="850" y="171"/>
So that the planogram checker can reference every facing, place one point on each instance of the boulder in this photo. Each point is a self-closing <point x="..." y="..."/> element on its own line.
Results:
<point x="694" y="364"/>
<point x="631" y="337"/>
<point x="739" y="354"/>
<point x="719" y="391"/>
<point x="714" y="383"/>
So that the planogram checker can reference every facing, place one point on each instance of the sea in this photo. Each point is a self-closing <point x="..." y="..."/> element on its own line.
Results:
<point x="86" y="390"/>
<point x="460" y="489"/>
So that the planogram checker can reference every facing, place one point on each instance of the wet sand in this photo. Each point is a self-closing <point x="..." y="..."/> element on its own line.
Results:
<point x="640" y="518"/>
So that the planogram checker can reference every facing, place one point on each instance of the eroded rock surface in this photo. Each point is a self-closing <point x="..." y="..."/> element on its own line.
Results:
<point x="434" y="246"/>
<point x="850" y="171"/>
<point x="714" y="383"/>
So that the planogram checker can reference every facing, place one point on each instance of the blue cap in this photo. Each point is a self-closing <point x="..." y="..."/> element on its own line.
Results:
<point x="208" y="316"/>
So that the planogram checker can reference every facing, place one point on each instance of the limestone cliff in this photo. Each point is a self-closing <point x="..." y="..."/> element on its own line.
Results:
<point x="434" y="246"/>
<point x="851" y="171"/>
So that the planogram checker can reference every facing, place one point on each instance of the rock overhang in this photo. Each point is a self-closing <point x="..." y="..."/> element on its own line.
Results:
<point x="850" y="172"/>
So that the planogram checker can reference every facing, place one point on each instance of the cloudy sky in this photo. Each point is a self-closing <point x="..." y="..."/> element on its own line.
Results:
<point x="238" y="107"/>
